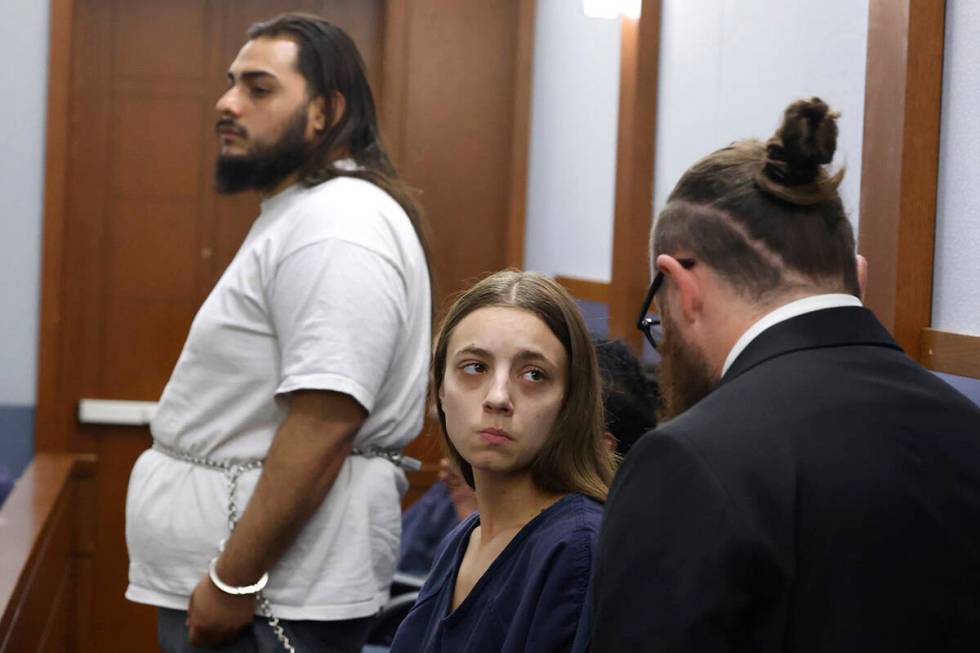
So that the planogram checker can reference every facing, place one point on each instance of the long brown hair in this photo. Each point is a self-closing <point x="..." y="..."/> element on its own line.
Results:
<point x="767" y="216"/>
<point x="330" y="63"/>
<point x="574" y="457"/>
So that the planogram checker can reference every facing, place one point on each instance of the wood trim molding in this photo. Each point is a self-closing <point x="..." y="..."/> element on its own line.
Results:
<point x="951" y="353"/>
<point x="593" y="291"/>
<point x="46" y="526"/>
<point x="523" y="77"/>
<point x="393" y="94"/>
<point x="900" y="162"/>
<point x="49" y="431"/>
<point x="635" y="153"/>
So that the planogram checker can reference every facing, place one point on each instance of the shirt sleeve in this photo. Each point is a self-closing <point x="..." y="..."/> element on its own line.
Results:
<point x="548" y="619"/>
<point x="673" y="560"/>
<point x="337" y="308"/>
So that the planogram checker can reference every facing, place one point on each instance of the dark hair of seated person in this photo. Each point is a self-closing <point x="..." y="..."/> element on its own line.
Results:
<point x="630" y="398"/>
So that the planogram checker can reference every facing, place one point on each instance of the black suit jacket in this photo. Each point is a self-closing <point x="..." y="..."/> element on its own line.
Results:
<point x="824" y="497"/>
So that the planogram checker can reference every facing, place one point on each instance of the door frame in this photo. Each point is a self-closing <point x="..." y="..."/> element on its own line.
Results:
<point x="48" y="434"/>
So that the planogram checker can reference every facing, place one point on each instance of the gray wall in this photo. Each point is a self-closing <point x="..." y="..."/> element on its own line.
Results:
<point x="956" y="280"/>
<point x="729" y="68"/>
<point x="572" y="158"/>
<point x="24" y="48"/>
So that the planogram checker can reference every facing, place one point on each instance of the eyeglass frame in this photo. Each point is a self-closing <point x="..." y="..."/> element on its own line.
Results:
<point x="646" y="324"/>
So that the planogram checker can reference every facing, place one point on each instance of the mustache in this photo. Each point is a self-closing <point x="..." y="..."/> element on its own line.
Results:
<point x="228" y="123"/>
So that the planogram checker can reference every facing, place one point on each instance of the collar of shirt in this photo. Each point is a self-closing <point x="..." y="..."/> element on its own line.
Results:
<point x="269" y="203"/>
<point x="279" y="199"/>
<point x="785" y="312"/>
<point x="347" y="165"/>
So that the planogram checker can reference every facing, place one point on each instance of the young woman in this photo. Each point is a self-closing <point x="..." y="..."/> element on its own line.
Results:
<point x="519" y="400"/>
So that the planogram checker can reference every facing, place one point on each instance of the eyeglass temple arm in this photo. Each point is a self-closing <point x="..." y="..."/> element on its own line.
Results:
<point x="646" y="303"/>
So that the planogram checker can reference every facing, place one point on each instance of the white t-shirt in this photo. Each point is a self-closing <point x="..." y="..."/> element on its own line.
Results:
<point x="329" y="291"/>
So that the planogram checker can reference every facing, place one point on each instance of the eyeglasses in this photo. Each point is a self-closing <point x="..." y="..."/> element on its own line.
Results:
<point x="650" y="324"/>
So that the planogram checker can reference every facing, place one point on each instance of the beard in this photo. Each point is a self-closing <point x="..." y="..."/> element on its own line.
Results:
<point x="683" y="375"/>
<point x="265" y="165"/>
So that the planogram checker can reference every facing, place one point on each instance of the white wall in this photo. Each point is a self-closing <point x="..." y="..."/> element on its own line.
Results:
<point x="728" y="69"/>
<point x="956" y="280"/>
<point x="572" y="158"/>
<point x="23" y="78"/>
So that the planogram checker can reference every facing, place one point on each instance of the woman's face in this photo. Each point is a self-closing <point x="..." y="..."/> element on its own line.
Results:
<point x="503" y="388"/>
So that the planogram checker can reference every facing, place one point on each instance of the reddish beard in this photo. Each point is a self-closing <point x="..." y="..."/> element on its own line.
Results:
<point x="683" y="375"/>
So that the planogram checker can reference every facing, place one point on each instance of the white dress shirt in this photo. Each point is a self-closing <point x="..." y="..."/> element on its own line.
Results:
<point x="785" y="312"/>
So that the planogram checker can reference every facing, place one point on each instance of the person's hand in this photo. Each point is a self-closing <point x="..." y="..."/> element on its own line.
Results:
<point x="461" y="494"/>
<point x="215" y="618"/>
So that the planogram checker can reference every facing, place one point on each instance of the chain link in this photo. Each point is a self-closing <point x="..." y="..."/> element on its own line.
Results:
<point x="233" y="470"/>
<point x="274" y="623"/>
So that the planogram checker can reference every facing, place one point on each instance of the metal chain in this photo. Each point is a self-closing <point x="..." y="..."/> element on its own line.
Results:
<point x="394" y="456"/>
<point x="265" y="607"/>
<point x="233" y="470"/>
<point x="274" y="623"/>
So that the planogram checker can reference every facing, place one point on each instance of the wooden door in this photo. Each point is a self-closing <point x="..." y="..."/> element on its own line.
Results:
<point x="135" y="238"/>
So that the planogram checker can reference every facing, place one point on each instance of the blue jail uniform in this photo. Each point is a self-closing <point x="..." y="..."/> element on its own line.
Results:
<point x="529" y="599"/>
<point x="425" y="524"/>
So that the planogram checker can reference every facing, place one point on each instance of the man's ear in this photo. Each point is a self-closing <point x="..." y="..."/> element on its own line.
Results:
<point x="318" y="119"/>
<point x="862" y="270"/>
<point x="686" y="286"/>
<point x="316" y="116"/>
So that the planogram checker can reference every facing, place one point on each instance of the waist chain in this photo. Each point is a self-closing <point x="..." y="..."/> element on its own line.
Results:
<point x="234" y="468"/>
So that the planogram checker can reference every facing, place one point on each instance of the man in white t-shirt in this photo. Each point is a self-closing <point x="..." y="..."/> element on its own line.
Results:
<point x="274" y="481"/>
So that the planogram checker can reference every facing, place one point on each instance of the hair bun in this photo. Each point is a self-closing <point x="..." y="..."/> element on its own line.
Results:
<point x="805" y="141"/>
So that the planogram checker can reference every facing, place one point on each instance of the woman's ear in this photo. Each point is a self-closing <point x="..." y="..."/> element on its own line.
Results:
<point x="684" y="284"/>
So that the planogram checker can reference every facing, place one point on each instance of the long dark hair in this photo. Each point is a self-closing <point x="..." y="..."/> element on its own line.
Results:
<point x="329" y="62"/>
<point x="575" y="457"/>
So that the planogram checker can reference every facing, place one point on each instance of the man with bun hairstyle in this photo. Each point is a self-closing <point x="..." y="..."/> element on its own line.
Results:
<point x="811" y="488"/>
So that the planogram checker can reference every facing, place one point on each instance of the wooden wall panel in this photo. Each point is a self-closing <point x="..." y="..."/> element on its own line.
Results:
<point x="520" y="132"/>
<point x="47" y="417"/>
<point x="453" y="93"/>
<point x="635" y="151"/>
<point x="161" y="39"/>
<point x="143" y="339"/>
<point x="56" y="634"/>
<point x="362" y="20"/>
<point x="156" y="141"/>
<point x="88" y="195"/>
<point x="153" y="245"/>
<point x="40" y="526"/>
<point x="900" y="162"/>
<point x="42" y="583"/>
<point x="952" y="353"/>
<point x="587" y="289"/>
<point x="115" y="619"/>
